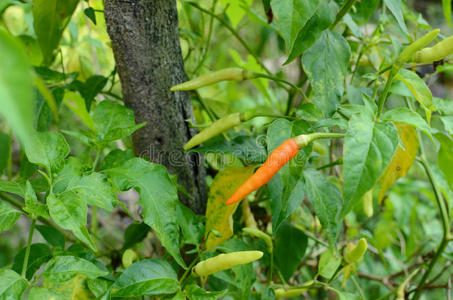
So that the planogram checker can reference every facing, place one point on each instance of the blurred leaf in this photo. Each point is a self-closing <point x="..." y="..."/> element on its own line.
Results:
<point x="77" y="105"/>
<point x="368" y="149"/>
<point x="64" y="268"/>
<point x="5" y="153"/>
<point x="309" y="34"/>
<point x="39" y="254"/>
<point x="50" y="18"/>
<point x="91" y="14"/>
<point x="194" y="292"/>
<point x="446" y="5"/>
<point x="326" y="65"/>
<point x="37" y="293"/>
<point x="11" y="285"/>
<point x="146" y="277"/>
<point x="443" y="106"/>
<point x="191" y="225"/>
<point x="48" y="96"/>
<point x="286" y="188"/>
<point x="290" y="246"/>
<point x="47" y="149"/>
<point x="134" y="234"/>
<point x="106" y="129"/>
<point x="448" y="123"/>
<point x="218" y="215"/>
<point x="16" y="102"/>
<point x="445" y="158"/>
<point x="234" y="10"/>
<point x="328" y="263"/>
<point x="402" y="160"/>
<point x="419" y="89"/>
<point x="158" y="198"/>
<point x="18" y="187"/>
<point x="290" y="17"/>
<point x="51" y="235"/>
<point x="326" y="200"/>
<point x="8" y="216"/>
<point x="32" y="205"/>
<point x="100" y="287"/>
<point x="70" y="212"/>
<point x="396" y="7"/>
<point x="407" y="116"/>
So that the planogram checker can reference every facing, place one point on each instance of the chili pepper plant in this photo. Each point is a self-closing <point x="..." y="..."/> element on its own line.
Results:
<point x="325" y="128"/>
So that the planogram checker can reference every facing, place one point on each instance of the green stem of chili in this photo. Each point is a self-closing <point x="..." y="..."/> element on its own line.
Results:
<point x="27" y="250"/>
<point x="343" y="11"/>
<point x="388" y="84"/>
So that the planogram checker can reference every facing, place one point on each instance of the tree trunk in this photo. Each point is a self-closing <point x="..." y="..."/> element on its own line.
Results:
<point x="145" y="42"/>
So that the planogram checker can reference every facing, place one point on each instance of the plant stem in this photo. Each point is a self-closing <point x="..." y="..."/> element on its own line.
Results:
<point x="204" y="51"/>
<point x="388" y="84"/>
<point x="233" y="31"/>
<point x="27" y="250"/>
<point x="443" y="213"/>
<point x="343" y="11"/>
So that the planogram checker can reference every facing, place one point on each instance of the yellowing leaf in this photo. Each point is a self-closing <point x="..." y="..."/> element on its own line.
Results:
<point x="74" y="289"/>
<point x="402" y="160"/>
<point x="219" y="215"/>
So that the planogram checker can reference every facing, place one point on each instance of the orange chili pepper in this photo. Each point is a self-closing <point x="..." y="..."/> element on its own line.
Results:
<point x="276" y="160"/>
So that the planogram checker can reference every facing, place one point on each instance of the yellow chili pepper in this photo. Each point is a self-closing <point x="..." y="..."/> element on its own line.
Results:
<point x="225" y="261"/>
<point x="410" y="50"/>
<point x="435" y="53"/>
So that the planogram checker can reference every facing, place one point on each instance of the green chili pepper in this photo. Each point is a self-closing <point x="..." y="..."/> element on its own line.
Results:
<point x="435" y="53"/>
<point x="129" y="256"/>
<point x="408" y="53"/>
<point x="355" y="253"/>
<point x="282" y="293"/>
<point x="225" y="261"/>
<point x="214" y="77"/>
<point x="219" y="126"/>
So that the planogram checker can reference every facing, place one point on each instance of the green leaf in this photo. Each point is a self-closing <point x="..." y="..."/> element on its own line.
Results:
<point x="443" y="106"/>
<point x="310" y="33"/>
<point x="191" y="225"/>
<point x="18" y="187"/>
<point x="64" y="268"/>
<point x="100" y="287"/>
<point x="91" y="14"/>
<point x="326" y="65"/>
<point x="194" y="292"/>
<point x="405" y="115"/>
<point x="158" y="197"/>
<point x="11" y="285"/>
<point x="146" y="277"/>
<point x="290" y="17"/>
<point x="290" y="246"/>
<point x="328" y="263"/>
<point x="51" y="235"/>
<point x="134" y="234"/>
<point x="92" y="86"/>
<point x="47" y="149"/>
<point x="50" y="18"/>
<point x="368" y="149"/>
<point x="326" y="201"/>
<point x="244" y="147"/>
<point x="16" y="93"/>
<point x="113" y="121"/>
<point x="419" y="89"/>
<point x="396" y="7"/>
<point x="5" y="151"/>
<point x="286" y="188"/>
<point x="37" y="293"/>
<point x="69" y="211"/>
<point x="32" y="205"/>
<point x="8" y="216"/>
<point x="39" y="254"/>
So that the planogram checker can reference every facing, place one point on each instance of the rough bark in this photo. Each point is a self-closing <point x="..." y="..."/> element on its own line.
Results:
<point x="145" y="42"/>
